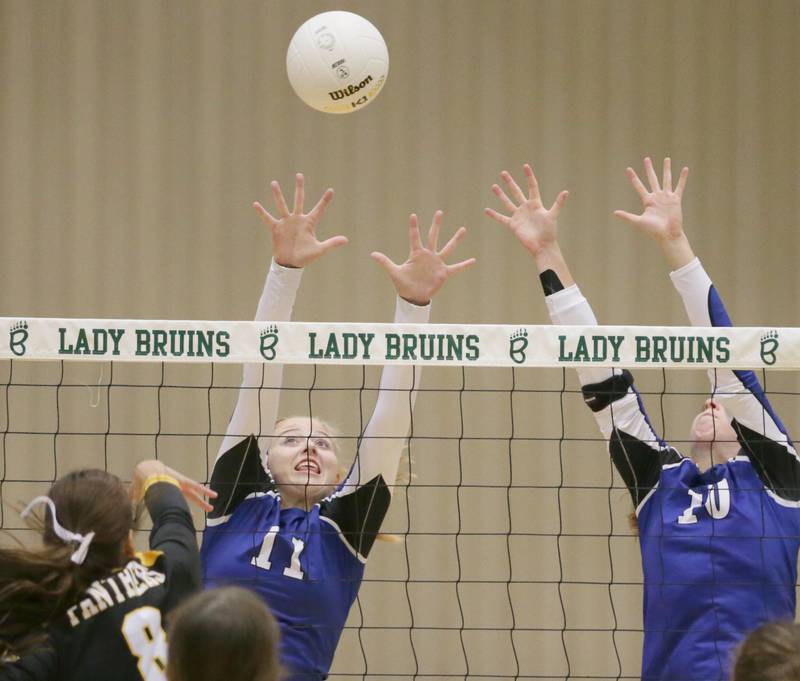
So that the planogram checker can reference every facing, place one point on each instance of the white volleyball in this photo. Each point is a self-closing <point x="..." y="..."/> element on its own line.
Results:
<point x="337" y="62"/>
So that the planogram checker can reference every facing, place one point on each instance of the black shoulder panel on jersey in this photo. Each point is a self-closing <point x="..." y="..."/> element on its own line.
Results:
<point x="777" y="467"/>
<point x="638" y="463"/>
<point x="599" y="395"/>
<point x="359" y="514"/>
<point x="237" y="474"/>
<point x="173" y="533"/>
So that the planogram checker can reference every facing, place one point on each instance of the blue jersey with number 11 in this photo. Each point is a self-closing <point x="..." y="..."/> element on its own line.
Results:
<point x="307" y="566"/>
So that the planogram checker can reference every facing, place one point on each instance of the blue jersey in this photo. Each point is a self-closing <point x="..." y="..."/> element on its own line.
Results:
<point x="719" y="548"/>
<point x="719" y="556"/>
<point x="306" y="565"/>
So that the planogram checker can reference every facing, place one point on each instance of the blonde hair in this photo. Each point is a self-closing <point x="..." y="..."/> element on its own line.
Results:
<point x="402" y="479"/>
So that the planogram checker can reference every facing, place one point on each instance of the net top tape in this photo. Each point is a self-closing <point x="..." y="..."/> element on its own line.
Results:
<point x="484" y="345"/>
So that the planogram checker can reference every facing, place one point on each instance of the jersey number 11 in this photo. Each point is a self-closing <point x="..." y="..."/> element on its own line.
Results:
<point x="262" y="560"/>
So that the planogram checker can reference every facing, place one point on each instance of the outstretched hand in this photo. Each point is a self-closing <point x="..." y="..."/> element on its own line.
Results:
<point x="533" y="224"/>
<point x="421" y="276"/>
<point x="662" y="217"/>
<point x="195" y="492"/>
<point x="294" y="237"/>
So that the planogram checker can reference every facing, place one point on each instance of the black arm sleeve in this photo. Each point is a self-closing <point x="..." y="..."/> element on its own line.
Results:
<point x="39" y="665"/>
<point x="777" y="467"/>
<point x="359" y="514"/>
<point x="173" y="534"/>
<point x="237" y="474"/>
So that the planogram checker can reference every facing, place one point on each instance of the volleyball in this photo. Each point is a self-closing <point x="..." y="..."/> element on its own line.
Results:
<point x="337" y="62"/>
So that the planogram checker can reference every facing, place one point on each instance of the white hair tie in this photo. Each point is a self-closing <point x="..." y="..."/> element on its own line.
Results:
<point x="83" y="540"/>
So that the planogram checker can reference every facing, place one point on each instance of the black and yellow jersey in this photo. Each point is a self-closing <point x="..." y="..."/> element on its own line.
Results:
<point x="115" y="630"/>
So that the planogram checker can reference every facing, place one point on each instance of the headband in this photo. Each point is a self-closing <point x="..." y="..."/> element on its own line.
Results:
<point x="62" y="533"/>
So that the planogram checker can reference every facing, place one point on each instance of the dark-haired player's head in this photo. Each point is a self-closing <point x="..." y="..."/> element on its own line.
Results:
<point x="87" y="518"/>
<point x="92" y="501"/>
<point x="225" y="633"/>
<point x="770" y="653"/>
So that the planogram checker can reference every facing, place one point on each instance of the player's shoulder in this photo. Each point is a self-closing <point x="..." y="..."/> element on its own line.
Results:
<point x="675" y="463"/>
<point x="150" y="558"/>
<point x="255" y="504"/>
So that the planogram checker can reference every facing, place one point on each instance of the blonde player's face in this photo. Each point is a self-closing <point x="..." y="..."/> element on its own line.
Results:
<point x="302" y="460"/>
<point x="713" y="425"/>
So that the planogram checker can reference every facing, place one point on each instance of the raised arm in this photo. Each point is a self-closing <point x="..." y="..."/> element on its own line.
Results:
<point x="239" y="469"/>
<point x="165" y="493"/>
<point x="416" y="281"/>
<point x="758" y="428"/>
<point x="636" y="450"/>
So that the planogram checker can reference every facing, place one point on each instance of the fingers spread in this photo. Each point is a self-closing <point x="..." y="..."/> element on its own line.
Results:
<point x="533" y="185"/>
<point x="333" y="242"/>
<point x="280" y="202"/>
<point x="384" y="261"/>
<point x="322" y="204"/>
<point x="638" y="185"/>
<point x="498" y="217"/>
<point x="555" y="209"/>
<point x="682" y="182"/>
<point x="450" y="246"/>
<point x="433" y="234"/>
<point x="460" y="266"/>
<point x="198" y="500"/>
<point x="666" y="176"/>
<point x="513" y="187"/>
<point x="199" y="487"/>
<point x="266" y="218"/>
<point x="628" y="217"/>
<point x="652" y="178"/>
<point x="413" y="233"/>
<point x="500" y="194"/>
<point x="299" y="193"/>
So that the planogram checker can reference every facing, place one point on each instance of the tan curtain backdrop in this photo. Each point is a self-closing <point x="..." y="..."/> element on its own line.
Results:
<point x="135" y="135"/>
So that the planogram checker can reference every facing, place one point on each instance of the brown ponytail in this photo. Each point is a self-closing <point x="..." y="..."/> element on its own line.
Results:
<point x="38" y="586"/>
<point x="770" y="653"/>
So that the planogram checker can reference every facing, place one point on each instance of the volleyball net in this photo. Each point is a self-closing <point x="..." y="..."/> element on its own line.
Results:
<point x="517" y="559"/>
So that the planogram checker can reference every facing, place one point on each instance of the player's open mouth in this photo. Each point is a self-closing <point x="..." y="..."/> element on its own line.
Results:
<point x="308" y="465"/>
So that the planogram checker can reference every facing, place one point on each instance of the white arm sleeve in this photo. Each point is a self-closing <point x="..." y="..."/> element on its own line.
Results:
<point x="257" y="404"/>
<point x="568" y="307"/>
<point x="384" y="438"/>
<point x="739" y="392"/>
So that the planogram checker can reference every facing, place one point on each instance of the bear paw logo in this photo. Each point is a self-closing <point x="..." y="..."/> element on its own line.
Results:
<point x="517" y="344"/>
<point x="17" y="336"/>
<point x="269" y="340"/>
<point x="769" y="346"/>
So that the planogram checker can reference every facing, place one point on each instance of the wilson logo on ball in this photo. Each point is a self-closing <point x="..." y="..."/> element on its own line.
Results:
<point x="350" y="89"/>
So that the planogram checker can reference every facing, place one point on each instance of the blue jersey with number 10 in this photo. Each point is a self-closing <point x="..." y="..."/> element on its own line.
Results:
<point x="719" y="555"/>
<point x="719" y="548"/>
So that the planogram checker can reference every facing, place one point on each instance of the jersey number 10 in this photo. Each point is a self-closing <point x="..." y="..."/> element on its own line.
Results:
<point x="718" y="503"/>
<point x="262" y="560"/>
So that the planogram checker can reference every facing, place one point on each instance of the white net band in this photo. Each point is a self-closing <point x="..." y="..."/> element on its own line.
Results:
<point x="483" y="345"/>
